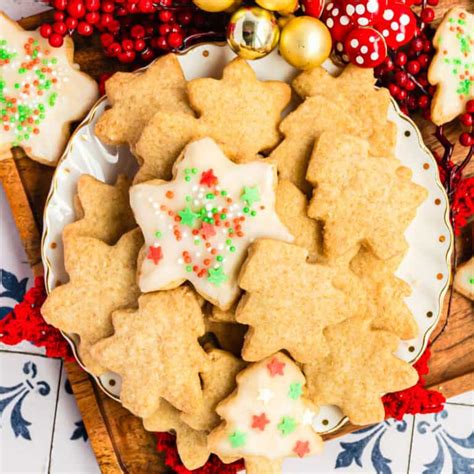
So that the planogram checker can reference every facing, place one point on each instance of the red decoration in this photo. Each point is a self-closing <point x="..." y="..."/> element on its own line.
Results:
<point x="397" y="25"/>
<point x="259" y="422"/>
<point x="166" y="444"/>
<point x="25" y="323"/>
<point x="365" y="47"/>
<point x="416" y="399"/>
<point x="275" y="367"/>
<point x="338" y="23"/>
<point x="208" y="178"/>
<point x="364" y="12"/>
<point x="207" y="230"/>
<point x="155" y="254"/>
<point x="301" y="448"/>
<point x="312" y="8"/>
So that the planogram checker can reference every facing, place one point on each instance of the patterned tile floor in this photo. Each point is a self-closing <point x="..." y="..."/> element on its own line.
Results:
<point x="41" y="428"/>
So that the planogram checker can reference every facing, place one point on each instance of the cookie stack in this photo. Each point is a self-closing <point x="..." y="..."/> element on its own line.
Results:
<point x="247" y="275"/>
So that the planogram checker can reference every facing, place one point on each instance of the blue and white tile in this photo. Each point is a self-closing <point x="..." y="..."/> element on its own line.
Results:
<point x="466" y="398"/>
<point x="28" y="401"/>
<point x="71" y="450"/>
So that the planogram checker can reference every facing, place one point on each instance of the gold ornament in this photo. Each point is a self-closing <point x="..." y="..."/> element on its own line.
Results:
<point x="305" y="42"/>
<point x="288" y="6"/>
<point x="214" y="6"/>
<point x="252" y="32"/>
<point x="292" y="6"/>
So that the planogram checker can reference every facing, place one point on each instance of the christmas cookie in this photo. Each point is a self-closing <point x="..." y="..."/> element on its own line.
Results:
<point x="452" y="67"/>
<point x="103" y="210"/>
<point x="360" y="198"/>
<point x="359" y="368"/>
<point x="348" y="102"/>
<point x="41" y="92"/>
<point x="464" y="279"/>
<point x="155" y="350"/>
<point x="238" y="111"/>
<point x="289" y="301"/>
<point x="267" y="417"/>
<point x="102" y="279"/>
<point x="198" y="226"/>
<point x="136" y="97"/>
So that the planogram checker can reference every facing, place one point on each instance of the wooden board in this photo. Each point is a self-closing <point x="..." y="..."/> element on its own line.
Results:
<point x="117" y="437"/>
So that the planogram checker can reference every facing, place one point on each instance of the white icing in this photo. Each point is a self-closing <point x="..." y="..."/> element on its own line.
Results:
<point x="204" y="155"/>
<point x="76" y="93"/>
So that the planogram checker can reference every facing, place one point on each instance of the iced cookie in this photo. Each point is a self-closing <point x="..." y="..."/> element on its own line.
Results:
<point x="452" y="67"/>
<point x="198" y="226"/>
<point x="41" y="91"/>
<point x="267" y="417"/>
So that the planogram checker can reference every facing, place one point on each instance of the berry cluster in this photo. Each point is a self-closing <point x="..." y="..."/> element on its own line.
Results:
<point x="404" y="71"/>
<point x="132" y="29"/>
<point x="467" y="119"/>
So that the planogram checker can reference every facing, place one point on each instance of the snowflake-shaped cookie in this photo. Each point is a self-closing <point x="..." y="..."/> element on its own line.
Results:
<point x="198" y="226"/>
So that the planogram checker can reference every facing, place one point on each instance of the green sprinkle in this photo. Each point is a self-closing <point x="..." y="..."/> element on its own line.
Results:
<point x="188" y="198"/>
<point x="287" y="425"/>
<point x="158" y="234"/>
<point x="188" y="216"/>
<point x="228" y="242"/>
<point x="189" y="268"/>
<point x="216" y="276"/>
<point x="223" y="216"/>
<point x="246" y="210"/>
<point x="250" y="195"/>
<point x="187" y="178"/>
<point x="295" y="390"/>
<point x="253" y="213"/>
<point x="17" y="86"/>
<point x="187" y="171"/>
<point x="194" y="171"/>
<point x="237" y="439"/>
<point x="223" y="193"/>
<point x="232" y="248"/>
<point x="210" y="196"/>
<point x="219" y="258"/>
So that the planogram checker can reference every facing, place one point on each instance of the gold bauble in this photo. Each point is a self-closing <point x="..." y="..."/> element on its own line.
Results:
<point x="278" y="5"/>
<point x="305" y="42"/>
<point x="214" y="6"/>
<point x="292" y="6"/>
<point x="252" y="32"/>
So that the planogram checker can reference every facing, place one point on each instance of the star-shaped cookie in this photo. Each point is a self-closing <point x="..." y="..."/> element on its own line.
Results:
<point x="289" y="301"/>
<point x="102" y="279"/>
<point x="136" y="97"/>
<point x="349" y="102"/>
<point x="155" y="350"/>
<point x="103" y="210"/>
<point x="359" y="369"/>
<point x="238" y="111"/>
<point x="360" y="198"/>
<point x="42" y="92"/>
<point x="198" y="226"/>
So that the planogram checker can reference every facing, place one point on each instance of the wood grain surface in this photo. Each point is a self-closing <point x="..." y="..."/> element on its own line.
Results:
<point x="117" y="437"/>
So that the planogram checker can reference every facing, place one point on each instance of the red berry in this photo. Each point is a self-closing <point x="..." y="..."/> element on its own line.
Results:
<point x="106" y="39"/>
<point x="417" y="44"/>
<point x="127" y="45"/>
<point x="400" y="59"/>
<point x="470" y="106"/>
<point x="108" y="7"/>
<point x="56" y="40"/>
<point x="127" y="57"/>
<point x="60" y="4"/>
<point x="161" y="42"/>
<point x="137" y="31"/>
<point x="76" y="8"/>
<point x="146" y="6"/>
<point x="84" y="28"/>
<point x="93" y="18"/>
<point x="114" y="49"/>
<point x="139" y="45"/>
<point x="465" y="139"/>
<point x="114" y="26"/>
<point x="60" y="28"/>
<point x="92" y="5"/>
<point x="466" y="119"/>
<point x="147" y="55"/>
<point x="413" y="67"/>
<point x="411" y="102"/>
<point x="401" y="78"/>
<point x="424" y="60"/>
<point x="165" y="16"/>
<point x="175" y="40"/>
<point x="132" y="7"/>
<point x="166" y="3"/>
<point x="394" y="89"/>
<point x="388" y="64"/>
<point x="46" y="30"/>
<point x="402" y="94"/>
<point x="185" y="18"/>
<point x="410" y="85"/>
<point x="423" y="101"/>
<point x="71" y="23"/>
<point x="164" y="29"/>
<point x="427" y="15"/>
<point x="59" y="16"/>
<point x="427" y="46"/>
<point x="106" y="19"/>
<point x="175" y="28"/>
<point x="433" y="3"/>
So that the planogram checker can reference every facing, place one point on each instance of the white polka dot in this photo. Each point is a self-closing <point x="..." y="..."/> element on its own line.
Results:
<point x="329" y="22"/>
<point x="372" y="6"/>
<point x="339" y="46"/>
<point x="388" y="14"/>
<point x="360" y="9"/>
<point x="359" y="60"/>
<point x="394" y="25"/>
<point x="363" y="21"/>
<point x="354" y="43"/>
<point x="344" y="20"/>
<point x="329" y="6"/>
<point x="372" y="39"/>
<point x="400" y="37"/>
<point x="385" y="33"/>
<point x="364" y="49"/>
<point x="350" y="9"/>
<point x="404" y="19"/>
<point x="335" y="12"/>
<point x="374" y="56"/>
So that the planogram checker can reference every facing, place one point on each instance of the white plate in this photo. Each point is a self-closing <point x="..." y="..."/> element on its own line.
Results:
<point x="425" y="267"/>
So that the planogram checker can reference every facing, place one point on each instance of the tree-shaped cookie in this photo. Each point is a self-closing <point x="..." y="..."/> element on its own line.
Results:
<point x="289" y="301"/>
<point x="103" y="210"/>
<point x="359" y="369"/>
<point x="136" y="97"/>
<point x="267" y="417"/>
<point x="155" y="350"/>
<point x="386" y="293"/>
<point x="348" y="102"/>
<point x="41" y="92"/>
<point x="451" y="69"/>
<point x="102" y="279"/>
<point x="198" y="226"/>
<point x="360" y="198"/>
<point x="238" y="111"/>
